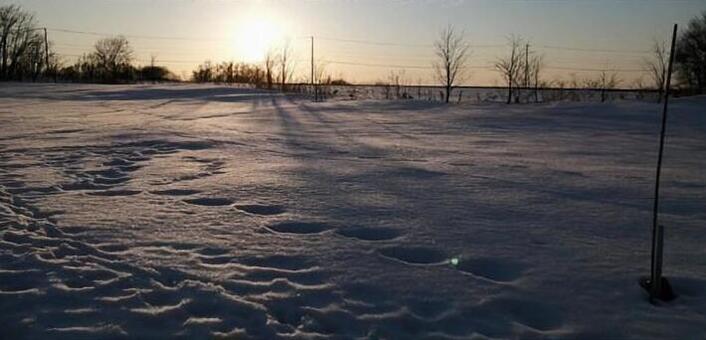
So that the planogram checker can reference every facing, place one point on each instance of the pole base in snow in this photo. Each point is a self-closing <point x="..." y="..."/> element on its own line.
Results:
<point x="664" y="293"/>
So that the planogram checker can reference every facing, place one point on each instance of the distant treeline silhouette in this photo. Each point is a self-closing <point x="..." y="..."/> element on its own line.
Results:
<point x="230" y="73"/>
<point x="27" y="55"/>
<point x="111" y="62"/>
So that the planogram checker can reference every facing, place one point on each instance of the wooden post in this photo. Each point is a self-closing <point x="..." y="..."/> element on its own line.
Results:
<point x="46" y="54"/>
<point x="509" y="79"/>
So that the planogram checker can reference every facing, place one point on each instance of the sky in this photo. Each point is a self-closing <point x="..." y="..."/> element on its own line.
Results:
<point x="364" y="41"/>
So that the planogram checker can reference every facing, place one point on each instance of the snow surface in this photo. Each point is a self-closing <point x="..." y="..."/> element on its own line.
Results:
<point x="152" y="211"/>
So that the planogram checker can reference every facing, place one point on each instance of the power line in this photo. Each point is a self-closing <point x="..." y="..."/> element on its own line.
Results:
<point x="136" y="36"/>
<point x="89" y="49"/>
<point x="556" y="47"/>
<point x="369" y="56"/>
<point x="486" y="67"/>
<point x="578" y="49"/>
<point x="393" y="65"/>
<point x="592" y="69"/>
<point x="148" y="61"/>
<point x="367" y="42"/>
<point x="352" y="41"/>
<point x="370" y="42"/>
<point x="387" y="43"/>
<point x="376" y="65"/>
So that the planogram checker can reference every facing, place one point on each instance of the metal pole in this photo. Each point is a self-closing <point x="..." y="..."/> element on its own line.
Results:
<point x="656" y="275"/>
<point x="656" y="267"/>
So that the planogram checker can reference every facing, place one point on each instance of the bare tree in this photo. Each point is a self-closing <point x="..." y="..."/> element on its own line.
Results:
<point x="321" y="80"/>
<point x="606" y="81"/>
<point x="656" y="66"/>
<point x="536" y="66"/>
<point x="22" y="48"/>
<point x="510" y="66"/>
<point x="226" y="72"/>
<point x="286" y="67"/>
<point x="397" y="81"/>
<point x="690" y="61"/>
<point x="269" y="63"/>
<point x="452" y="54"/>
<point x="528" y="72"/>
<point x="204" y="73"/>
<point x="112" y="56"/>
<point x="320" y="73"/>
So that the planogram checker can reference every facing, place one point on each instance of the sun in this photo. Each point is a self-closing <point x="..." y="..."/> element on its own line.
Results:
<point x="256" y="36"/>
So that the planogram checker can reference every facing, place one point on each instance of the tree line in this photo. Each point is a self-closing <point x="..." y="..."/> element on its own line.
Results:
<point x="25" y="54"/>
<point x="277" y="68"/>
<point x="111" y="62"/>
<point x="521" y="68"/>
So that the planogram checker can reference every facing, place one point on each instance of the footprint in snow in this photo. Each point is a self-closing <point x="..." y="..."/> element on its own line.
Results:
<point x="210" y="201"/>
<point x="295" y="227"/>
<point x="259" y="209"/>
<point x="175" y="192"/>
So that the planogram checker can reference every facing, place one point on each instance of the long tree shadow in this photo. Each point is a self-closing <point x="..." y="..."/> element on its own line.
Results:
<point x="175" y="92"/>
<point x="387" y="210"/>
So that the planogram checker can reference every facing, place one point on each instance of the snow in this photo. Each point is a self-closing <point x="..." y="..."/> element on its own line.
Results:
<point x="200" y="211"/>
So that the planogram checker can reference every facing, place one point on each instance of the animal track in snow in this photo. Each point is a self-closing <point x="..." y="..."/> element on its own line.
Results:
<point x="259" y="209"/>
<point x="175" y="192"/>
<point x="369" y="233"/>
<point x="112" y="193"/>
<point x="414" y="255"/>
<point x="210" y="201"/>
<point x="296" y="227"/>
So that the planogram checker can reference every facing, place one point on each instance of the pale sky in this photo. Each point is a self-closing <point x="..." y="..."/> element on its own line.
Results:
<point x="221" y="30"/>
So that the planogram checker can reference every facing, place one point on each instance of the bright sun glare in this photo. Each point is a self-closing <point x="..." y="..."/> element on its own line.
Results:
<point x="256" y="36"/>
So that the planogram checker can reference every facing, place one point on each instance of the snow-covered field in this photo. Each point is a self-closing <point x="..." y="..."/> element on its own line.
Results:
<point x="157" y="211"/>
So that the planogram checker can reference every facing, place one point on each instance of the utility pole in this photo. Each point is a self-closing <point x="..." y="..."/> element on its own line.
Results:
<point x="46" y="54"/>
<point x="658" y="286"/>
<point x="527" y="68"/>
<point x="313" y="85"/>
<point x="512" y="71"/>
